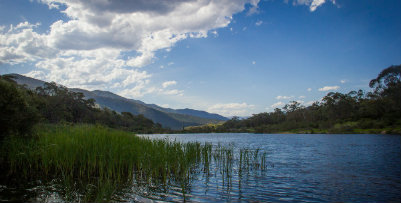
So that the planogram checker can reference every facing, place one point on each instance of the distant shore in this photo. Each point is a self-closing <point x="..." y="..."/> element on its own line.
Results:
<point x="383" y="131"/>
<point x="354" y="131"/>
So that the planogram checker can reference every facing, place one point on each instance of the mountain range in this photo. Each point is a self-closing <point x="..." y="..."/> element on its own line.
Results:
<point x="167" y="117"/>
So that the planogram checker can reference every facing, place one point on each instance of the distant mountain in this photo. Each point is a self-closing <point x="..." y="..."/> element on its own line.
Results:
<point x="192" y="112"/>
<point x="30" y="83"/>
<point x="172" y="118"/>
<point x="202" y="114"/>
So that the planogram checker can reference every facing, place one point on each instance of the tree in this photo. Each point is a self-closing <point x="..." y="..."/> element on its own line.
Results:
<point x="388" y="91"/>
<point x="17" y="114"/>
<point x="388" y="78"/>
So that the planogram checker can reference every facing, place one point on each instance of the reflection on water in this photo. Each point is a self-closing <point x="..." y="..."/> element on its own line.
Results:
<point x="302" y="168"/>
<point x="217" y="176"/>
<point x="266" y="168"/>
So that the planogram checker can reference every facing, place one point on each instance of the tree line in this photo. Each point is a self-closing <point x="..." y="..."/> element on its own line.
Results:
<point x="22" y="108"/>
<point x="356" y="111"/>
<point x="379" y="109"/>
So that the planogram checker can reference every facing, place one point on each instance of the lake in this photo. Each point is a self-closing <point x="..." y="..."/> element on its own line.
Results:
<point x="299" y="168"/>
<point x="250" y="168"/>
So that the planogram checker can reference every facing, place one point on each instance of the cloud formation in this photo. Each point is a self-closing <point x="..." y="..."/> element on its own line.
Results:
<point x="277" y="104"/>
<point x="284" y="97"/>
<point x="172" y="92"/>
<point x="104" y="43"/>
<point x="21" y="44"/>
<point x="169" y="83"/>
<point x="88" y="50"/>
<point x="309" y="103"/>
<point x="141" y="25"/>
<point x="231" y="109"/>
<point x="329" y="88"/>
<point x="313" y="4"/>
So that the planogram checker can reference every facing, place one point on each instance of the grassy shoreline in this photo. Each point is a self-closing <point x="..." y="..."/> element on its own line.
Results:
<point x="92" y="163"/>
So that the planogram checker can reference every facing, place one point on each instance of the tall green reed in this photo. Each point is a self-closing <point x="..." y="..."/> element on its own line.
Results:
<point x="95" y="163"/>
<point x="104" y="158"/>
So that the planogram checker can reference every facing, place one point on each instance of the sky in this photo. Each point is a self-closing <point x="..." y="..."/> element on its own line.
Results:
<point x="232" y="57"/>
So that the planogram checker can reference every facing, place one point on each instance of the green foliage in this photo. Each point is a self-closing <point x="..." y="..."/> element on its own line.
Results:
<point x="82" y="155"/>
<point x="388" y="91"/>
<point x="58" y="104"/>
<point x="387" y="79"/>
<point x="21" y="108"/>
<point x="17" y="112"/>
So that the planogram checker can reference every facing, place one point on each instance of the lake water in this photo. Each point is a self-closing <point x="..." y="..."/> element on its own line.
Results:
<point x="301" y="168"/>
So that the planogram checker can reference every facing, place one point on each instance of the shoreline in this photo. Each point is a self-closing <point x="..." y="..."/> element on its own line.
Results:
<point x="355" y="132"/>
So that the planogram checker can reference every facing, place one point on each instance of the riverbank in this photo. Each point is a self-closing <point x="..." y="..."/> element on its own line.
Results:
<point x="383" y="131"/>
<point x="91" y="162"/>
<point x="339" y="128"/>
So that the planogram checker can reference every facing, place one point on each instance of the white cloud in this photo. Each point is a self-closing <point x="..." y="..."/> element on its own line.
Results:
<point x="169" y="83"/>
<point x="215" y="33"/>
<point x="301" y="97"/>
<point x="253" y="62"/>
<point x="284" y="97"/>
<point x="170" y="63"/>
<point x="278" y="104"/>
<point x="22" y="44"/>
<point x="343" y="81"/>
<point x="142" y="90"/>
<point x="313" y="4"/>
<point x="231" y="109"/>
<point x="309" y="89"/>
<point x="144" y="26"/>
<point x="141" y="61"/>
<point x="88" y="49"/>
<point x="329" y="88"/>
<point x="137" y="91"/>
<point x="254" y="7"/>
<point x="258" y="23"/>
<point x="309" y="103"/>
<point x="164" y="105"/>
<point x="90" y="73"/>
<point x="172" y="92"/>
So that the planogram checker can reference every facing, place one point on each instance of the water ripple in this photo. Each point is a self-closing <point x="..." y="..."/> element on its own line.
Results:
<point x="303" y="168"/>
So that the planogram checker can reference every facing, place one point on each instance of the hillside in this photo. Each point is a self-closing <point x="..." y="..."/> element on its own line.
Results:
<point x="120" y="104"/>
<point x="174" y="119"/>
<point x="190" y="112"/>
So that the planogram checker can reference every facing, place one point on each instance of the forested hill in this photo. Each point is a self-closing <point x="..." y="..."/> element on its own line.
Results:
<point x="377" y="111"/>
<point x="171" y="118"/>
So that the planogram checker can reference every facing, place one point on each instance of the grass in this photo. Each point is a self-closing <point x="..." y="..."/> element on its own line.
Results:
<point x="94" y="163"/>
<point x="104" y="158"/>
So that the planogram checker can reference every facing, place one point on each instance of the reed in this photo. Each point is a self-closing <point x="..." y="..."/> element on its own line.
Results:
<point x="95" y="163"/>
<point x="101" y="157"/>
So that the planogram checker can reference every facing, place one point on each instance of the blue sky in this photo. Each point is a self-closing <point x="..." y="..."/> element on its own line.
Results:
<point x="233" y="57"/>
